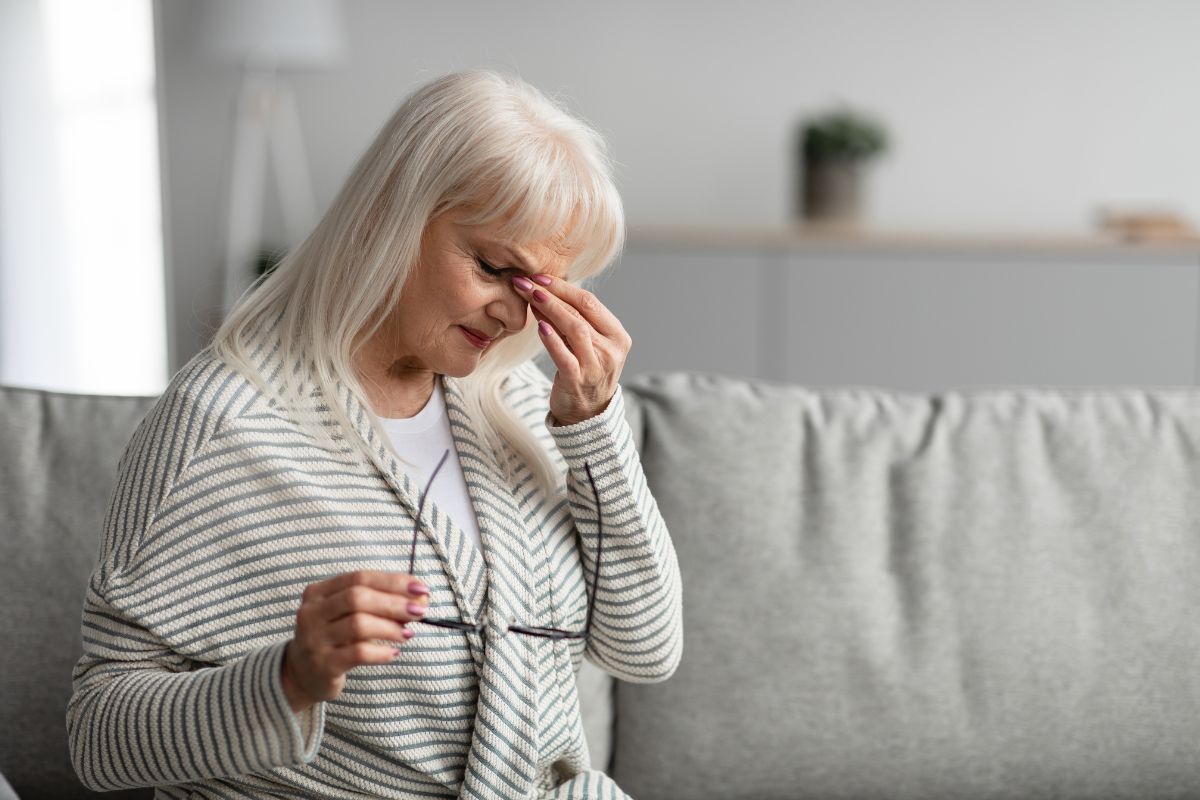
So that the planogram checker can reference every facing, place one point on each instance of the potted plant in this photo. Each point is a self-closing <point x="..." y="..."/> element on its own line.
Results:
<point x="834" y="146"/>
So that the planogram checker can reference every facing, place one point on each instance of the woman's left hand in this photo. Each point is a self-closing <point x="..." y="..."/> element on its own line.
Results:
<point x="587" y="343"/>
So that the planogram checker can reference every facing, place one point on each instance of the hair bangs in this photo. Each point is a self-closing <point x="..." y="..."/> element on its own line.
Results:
<point x="552" y="197"/>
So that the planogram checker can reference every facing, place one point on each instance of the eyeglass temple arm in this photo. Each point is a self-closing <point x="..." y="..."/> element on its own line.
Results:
<point x="412" y="556"/>
<point x="587" y="627"/>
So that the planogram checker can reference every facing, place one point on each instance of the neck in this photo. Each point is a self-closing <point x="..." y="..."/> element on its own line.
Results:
<point x="395" y="389"/>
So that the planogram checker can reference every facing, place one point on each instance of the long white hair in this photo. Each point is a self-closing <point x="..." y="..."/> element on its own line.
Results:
<point x="480" y="141"/>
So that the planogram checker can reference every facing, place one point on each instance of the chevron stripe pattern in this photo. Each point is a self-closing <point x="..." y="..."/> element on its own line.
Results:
<point x="224" y="510"/>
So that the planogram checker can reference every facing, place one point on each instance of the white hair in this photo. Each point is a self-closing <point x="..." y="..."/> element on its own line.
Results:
<point x="480" y="141"/>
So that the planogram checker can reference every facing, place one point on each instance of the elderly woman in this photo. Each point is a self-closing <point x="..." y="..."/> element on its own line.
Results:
<point x="361" y="544"/>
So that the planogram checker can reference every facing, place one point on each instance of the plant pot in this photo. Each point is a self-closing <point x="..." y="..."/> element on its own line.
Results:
<point x="832" y="191"/>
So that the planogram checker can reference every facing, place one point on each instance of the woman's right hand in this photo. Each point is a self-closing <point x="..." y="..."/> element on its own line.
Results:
<point x="335" y="627"/>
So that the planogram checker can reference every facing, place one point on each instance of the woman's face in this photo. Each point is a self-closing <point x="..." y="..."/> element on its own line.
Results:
<point x="463" y="280"/>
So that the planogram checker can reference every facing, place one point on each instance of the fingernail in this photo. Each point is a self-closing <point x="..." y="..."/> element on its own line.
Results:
<point x="416" y="610"/>
<point x="544" y="280"/>
<point x="408" y="634"/>
<point x="543" y="328"/>
<point x="395" y="653"/>
<point x="522" y="283"/>
<point x="539" y="295"/>
<point x="418" y="588"/>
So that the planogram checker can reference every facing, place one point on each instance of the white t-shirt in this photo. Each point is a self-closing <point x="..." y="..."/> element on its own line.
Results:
<point x="421" y="440"/>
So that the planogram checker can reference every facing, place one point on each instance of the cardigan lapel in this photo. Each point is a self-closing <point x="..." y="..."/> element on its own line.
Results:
<point x="502" y="762"/>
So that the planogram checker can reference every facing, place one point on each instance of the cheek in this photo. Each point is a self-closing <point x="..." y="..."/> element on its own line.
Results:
<point x="475" y="297"/>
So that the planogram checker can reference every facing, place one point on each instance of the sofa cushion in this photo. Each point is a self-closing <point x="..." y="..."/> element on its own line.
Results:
<point x="58" y="461"/>
<point x="968" y="594"/>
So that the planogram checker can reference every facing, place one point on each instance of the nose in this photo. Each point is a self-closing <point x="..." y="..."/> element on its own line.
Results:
<point x="510" y="309"/>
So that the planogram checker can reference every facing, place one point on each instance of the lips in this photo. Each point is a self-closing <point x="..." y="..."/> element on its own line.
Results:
<point x="478" y="334"/>
<point x="483" y="340"/>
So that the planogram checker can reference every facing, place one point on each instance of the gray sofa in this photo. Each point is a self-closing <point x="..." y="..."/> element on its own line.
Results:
<point x="980" y="593"/>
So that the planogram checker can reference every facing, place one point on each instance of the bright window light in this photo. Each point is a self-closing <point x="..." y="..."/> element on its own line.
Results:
<point x="83" y="303"/>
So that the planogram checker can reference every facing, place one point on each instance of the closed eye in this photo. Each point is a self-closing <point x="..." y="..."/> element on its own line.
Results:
<point x="488" y="268"/>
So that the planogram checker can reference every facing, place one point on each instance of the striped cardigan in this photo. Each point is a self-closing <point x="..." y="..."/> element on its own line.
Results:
<point x="224" y="510"/>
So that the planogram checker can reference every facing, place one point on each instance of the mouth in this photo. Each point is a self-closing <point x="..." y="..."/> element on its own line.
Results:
<point x="475" y="337"/>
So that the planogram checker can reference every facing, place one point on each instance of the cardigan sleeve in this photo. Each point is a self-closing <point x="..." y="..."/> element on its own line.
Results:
<point x="140" y="713"/>
<point x="135" y="720"/>
<point x="637" y="624"/>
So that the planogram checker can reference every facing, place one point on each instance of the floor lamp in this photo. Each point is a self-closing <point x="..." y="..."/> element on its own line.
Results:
<point x="267" y="38"/>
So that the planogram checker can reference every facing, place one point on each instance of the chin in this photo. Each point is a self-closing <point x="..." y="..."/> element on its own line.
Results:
<point x="458" y="373"/>
<point x="460" y="368"/>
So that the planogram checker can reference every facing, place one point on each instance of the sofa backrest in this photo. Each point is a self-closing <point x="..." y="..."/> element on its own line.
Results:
<point x="58" y="463"/>
<point x="885" y="594"/>
<point x="967" y="594"/>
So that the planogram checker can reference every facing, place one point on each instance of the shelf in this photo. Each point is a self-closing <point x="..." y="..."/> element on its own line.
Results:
<point x="814" y="237"/>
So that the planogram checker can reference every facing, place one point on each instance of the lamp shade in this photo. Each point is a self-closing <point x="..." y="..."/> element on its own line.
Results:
<point x="294" y="34"/>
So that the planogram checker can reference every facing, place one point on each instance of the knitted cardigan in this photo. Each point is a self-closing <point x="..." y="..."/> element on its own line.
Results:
<point x="224" y="510"/>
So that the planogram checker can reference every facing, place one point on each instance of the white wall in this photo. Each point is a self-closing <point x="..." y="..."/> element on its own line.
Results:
<point x="1007" y="115"/>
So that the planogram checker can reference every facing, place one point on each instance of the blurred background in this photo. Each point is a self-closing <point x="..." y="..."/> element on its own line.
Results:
<point x="918" y="195"/>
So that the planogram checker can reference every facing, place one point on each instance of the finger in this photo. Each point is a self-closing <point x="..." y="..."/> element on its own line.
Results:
<point x="359" y="599"/>
<point x="540" y="317"/>
<point x="573" y="329"/>
<point x="569" y="322"/>
<point x="363" y="628"/>
<point x="397" y="582"/>
<point x="343" y="659"/>
<point x="586" y="304"/>
<point x="563" y="358"/>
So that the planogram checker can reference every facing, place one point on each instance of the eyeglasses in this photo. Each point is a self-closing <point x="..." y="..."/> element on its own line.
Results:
<point x="478" y="627"/>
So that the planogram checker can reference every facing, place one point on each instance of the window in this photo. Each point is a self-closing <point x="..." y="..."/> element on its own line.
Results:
<point x="82" y="291"/>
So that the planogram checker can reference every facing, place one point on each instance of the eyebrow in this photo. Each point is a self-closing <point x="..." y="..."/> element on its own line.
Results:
<point x="515" y="257"/>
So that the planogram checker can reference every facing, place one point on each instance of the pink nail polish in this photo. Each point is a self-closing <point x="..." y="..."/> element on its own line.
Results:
<point x="543" y="328"/>
<point x="539" y="295"/>
<point x="522" y="283"/>
<point x="544" y="280"/>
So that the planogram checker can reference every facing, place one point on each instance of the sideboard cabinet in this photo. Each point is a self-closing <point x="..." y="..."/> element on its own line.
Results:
<point x="920" y="313"/>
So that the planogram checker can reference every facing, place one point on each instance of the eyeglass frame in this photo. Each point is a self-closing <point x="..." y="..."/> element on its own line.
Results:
<point x="480" y="627"/>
